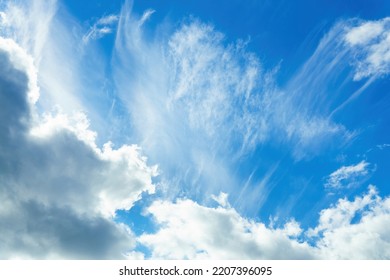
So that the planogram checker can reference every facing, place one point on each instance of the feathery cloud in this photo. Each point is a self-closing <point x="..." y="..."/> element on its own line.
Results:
<point x="348" y="176"/>
<point x="102" y="27"/>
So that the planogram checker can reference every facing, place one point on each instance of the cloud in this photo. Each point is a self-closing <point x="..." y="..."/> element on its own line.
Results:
<point x="146" y="16"/>
<point x="383" y="146"/>
<point x="31" y="230"/>
<point x="59" y="190"/>
<point x="356" y="229"/>
<point x="370" y="41"/>
<point x="3" y="19"/>
<point x="194" y="100"/>
<point x="364" y="33"/>
<point x="102" y="27"/>
<point x="348" y="176"/>
<point x="110" y="19"/>
<point x="70" y="74"/>
<point x="191" y="231"/>
<point x="199" y="104"/>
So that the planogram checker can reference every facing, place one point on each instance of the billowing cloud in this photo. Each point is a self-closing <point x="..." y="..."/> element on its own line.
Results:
<point x="348" y="176"/>
<point x="356" y="229"/>
<point x="191" y="231"/>
<point x="59" y="190"/>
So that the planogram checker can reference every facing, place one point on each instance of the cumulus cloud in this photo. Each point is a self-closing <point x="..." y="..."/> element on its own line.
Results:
<point x="59" y="190"/>
<point x="191" y="231"/>
<point x="356" y="229"/>
<point x="348" y="176"/>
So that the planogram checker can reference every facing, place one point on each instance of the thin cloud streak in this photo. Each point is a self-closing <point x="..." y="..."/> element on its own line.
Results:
<point x="102" y="27"/>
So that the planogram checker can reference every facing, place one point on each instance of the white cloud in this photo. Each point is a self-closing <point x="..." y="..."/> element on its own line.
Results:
<point x="348" y="176"/>
<point x="370" y="44"/>
<point x="60" y="190"/>
<point x="3" y="19"/>
<point x="103" y="26"/>
<point x="165" y="128"/>
<point x="146" y="16"/>
<point x="364" y="33"/>
<point x="189" y="230"/>
<point x="110" y="19"/>
<point x="221" y="199"/>
<point x="28" y="23"/>
<point x="199" y="103"/>
<point x="357" y="229"/>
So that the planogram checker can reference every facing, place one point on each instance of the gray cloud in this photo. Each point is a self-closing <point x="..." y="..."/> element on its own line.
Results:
<point x="58" y="189"/>
<point x="33" y="230"/>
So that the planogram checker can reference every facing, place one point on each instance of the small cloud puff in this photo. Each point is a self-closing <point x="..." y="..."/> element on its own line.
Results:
<point x="101" y="27"/>
<point x="348" y="176"/>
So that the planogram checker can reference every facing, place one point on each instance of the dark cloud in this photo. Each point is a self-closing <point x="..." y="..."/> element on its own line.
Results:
<point x="54" y="189"/>
<point x="39" y="231"/>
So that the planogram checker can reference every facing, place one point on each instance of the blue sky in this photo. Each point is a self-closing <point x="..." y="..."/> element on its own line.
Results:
<point x="190" y="129"/>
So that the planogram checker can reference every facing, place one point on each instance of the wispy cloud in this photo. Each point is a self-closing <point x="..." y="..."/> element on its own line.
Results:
<point x="103" y="26"/>
<point x="3" y="19"/>
<point x="355" y="229"/>
<point x="383" y="146"/>
<point x="181" y="100"/>
<point x="28" y="23"/>
<point x="348" y="176"/>
<point x="146" y="16"/>
<point x="204" y="103"/>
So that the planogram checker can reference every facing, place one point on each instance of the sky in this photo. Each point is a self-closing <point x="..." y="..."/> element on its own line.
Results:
<point x="174" y="129"/>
